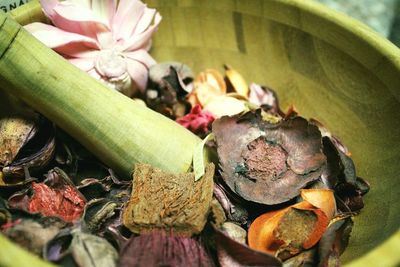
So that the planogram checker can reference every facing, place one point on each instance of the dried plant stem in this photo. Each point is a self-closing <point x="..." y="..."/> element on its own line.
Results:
<point x="113" y="127"/>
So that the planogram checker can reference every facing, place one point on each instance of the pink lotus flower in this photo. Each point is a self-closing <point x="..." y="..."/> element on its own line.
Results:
<point x="109" y="39"/>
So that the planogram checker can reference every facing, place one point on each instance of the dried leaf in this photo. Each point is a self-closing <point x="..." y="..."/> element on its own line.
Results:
<point x="97" y="212"/>
<point x="30" y="150"/>
<point x="323" y="199"/>
<point x="340" y="175"/>
<point x="168" y="201"/>
<point x="233" y="210"/>
<point x="162" y="249"/>
<point x="266" y="98"/>
<point x="168" y="85"/>
<point x="80" y="249"/>
<point x="234" y="231"/>
<point x="15" y="132"/>
<point x="233" y="253"/>
<point x="207" y="85"/>
<point x="162" y="71"/>
<point x="225" y="105"/>
<point x="34" y="234"/>
<point x="304" y="259"/>
<point x="334" y="241"/>
<point x="236" y="81"/>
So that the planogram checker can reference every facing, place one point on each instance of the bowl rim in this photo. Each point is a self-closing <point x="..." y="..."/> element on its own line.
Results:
<point x="368" y="47"/>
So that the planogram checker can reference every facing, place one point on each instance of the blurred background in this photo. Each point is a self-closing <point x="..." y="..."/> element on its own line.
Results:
<point x="381" y="15"/>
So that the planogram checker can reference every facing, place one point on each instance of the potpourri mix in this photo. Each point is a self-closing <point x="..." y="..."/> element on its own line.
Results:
<point x="282" y="190"/>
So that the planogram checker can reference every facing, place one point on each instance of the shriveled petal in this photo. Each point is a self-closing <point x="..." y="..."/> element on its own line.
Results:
<point x="85" y="64"/>
<point x="225" y="106"/>
<point x="138" y="72"/>
<point x="126" y="18"/>
<point x="74" y="18"/>
<point x="48" y="7"/>
<point x="142" y="40"/>
<point x="142" y="56"/>
<point x="54" y="37"/>
<point x="323" y="199"/>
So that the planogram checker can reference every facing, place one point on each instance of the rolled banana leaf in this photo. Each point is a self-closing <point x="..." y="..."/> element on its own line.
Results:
<point x="112" y="126"/>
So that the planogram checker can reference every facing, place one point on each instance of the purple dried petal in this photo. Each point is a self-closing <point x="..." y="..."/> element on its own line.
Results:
<point x="163" y="249"/>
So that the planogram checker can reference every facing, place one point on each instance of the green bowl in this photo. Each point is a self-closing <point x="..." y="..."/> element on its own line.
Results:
<point x="330" y="66"/>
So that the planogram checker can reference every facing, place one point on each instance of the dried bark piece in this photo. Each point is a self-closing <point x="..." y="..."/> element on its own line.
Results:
<point x="162" y="249"/>
<point x="161" y="200"/>
<point x="268" y="163"/>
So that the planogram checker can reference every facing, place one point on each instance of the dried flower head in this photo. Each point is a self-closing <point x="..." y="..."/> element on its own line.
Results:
<point x="108" y="39"/>
<point x="268" y="163"/>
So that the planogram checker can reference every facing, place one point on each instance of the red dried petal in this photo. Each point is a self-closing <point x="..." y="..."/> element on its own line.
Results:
<point x="197" y="121"/>
<point x="64" y="202"/>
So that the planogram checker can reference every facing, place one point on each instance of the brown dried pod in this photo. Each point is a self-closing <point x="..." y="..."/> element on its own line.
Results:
<point x="268" y="163"/>
<point x="34" y="155"/>
<point x="168" y="201"/>
<point x="289" y="231"/>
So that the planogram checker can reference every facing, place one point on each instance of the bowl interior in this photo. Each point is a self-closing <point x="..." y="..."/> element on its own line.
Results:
<point x="332" y="68"/>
